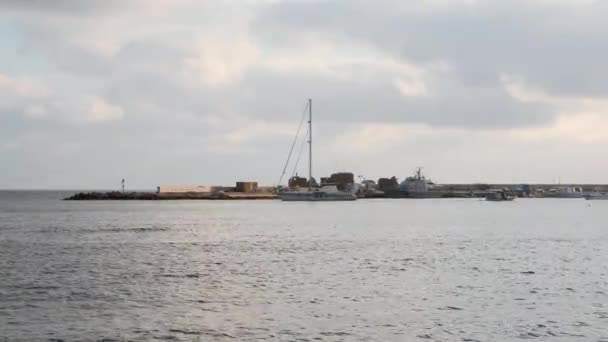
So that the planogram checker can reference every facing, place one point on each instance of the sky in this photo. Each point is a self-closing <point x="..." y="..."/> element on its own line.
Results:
<point x="211" y="92"/>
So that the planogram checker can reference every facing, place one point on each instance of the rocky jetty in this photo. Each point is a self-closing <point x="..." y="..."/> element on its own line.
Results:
<point x="148" y="196"/>
<point x="112" y="195"/>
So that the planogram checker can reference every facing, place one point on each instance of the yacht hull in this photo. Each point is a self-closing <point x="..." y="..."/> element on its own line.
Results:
<point x="418" y="195"/>
<point x="316" y="196"/>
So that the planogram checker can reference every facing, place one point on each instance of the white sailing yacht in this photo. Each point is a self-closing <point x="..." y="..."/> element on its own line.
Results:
<point x="325" y="193"/>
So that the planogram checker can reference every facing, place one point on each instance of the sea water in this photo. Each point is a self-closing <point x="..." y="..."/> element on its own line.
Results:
<point x="369" y="270"/>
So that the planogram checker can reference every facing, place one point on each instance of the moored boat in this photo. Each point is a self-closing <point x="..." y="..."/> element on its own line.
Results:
<point x="499" y="195"/>
<point x="323" y="194"/>
<point x="565" y="192"/>
<point x="418" y="186"/>
<point x="597" y="196"/>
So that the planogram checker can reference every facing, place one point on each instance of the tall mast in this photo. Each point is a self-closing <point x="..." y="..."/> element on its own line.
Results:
<point x="309" y="144"/>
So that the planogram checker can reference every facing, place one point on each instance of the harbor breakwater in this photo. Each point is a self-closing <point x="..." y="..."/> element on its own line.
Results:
<point x="267" y="193"/>
<point x="151" y="196"/>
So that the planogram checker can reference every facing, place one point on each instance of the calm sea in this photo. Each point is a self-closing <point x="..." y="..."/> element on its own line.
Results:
<point x="370" y="270"/>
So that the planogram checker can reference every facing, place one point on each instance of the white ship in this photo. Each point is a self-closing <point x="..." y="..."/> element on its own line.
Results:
<point x="418" y="186"/>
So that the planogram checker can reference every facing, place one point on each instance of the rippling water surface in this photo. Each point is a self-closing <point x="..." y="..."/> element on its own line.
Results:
<point x="375" y="270"/>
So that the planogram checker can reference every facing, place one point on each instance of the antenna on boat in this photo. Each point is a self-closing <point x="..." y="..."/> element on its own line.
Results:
<point x="310" y="144"/>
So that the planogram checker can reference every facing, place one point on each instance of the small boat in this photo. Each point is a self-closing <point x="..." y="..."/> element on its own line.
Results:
<point x="323" y="194"/>
<point x="597" y="196"/>
<point x="499" y="195"/>
<point x="565" y="192"/>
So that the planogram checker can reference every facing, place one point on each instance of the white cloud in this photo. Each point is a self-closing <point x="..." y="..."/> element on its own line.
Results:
<point x="366" y="140"/>
<point x="521" y="90"/>
<point x="18" y="92"/>
<point x="34" y="100"/>
<point x="100" y="110"/>
<point x="578" y="128"/>
<point x="250" y="131"/>
<point x="35" y="111"/>
<point x="219" y="60"/>
<point x="22" y="87"/>
<point x="412" y="87"/>
<point x="83" y="109"/>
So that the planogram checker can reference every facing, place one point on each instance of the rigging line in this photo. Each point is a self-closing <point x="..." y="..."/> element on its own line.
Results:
<point x="295" y="168"/>
<point x="295" y="139"/>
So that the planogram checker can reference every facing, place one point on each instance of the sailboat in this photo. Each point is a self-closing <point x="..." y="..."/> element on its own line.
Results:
<point x="325" y="193"/>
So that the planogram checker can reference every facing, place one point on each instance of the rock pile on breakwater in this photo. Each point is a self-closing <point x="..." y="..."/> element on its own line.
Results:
<point x="219" y="195"/>
<point x="112" y="195"/>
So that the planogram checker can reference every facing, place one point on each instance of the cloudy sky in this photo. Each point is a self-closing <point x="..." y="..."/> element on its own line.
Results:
<point x="209" y="92"/>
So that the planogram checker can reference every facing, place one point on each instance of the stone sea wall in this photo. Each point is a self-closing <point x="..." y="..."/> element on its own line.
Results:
<point x="116" y="195"/>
